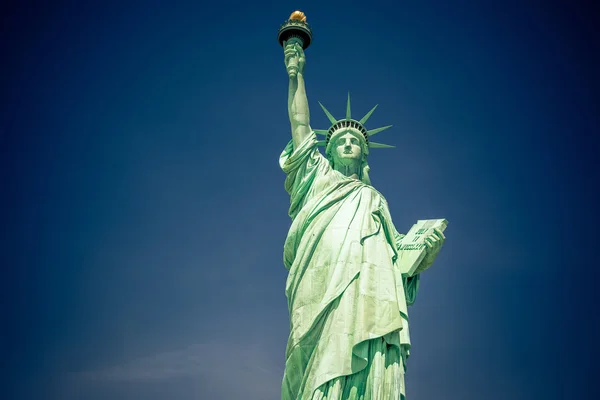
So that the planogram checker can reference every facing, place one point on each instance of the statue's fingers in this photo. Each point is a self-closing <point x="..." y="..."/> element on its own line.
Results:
<point x="289" y="55"/>
<point x="437" y="243"/>
<point x="440" y="234"/>
<point x="290" y="52"/>
<point x="428" y="243"/>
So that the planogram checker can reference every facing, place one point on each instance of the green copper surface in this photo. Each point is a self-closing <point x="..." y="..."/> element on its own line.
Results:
<point x="348" y="111"/>
<point x="329" y="116"/>
<point x="364" y="119"/>
<point x="352" y="275"/>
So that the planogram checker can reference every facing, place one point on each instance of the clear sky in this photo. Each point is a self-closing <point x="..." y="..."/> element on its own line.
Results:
<point x="144" y="214"/>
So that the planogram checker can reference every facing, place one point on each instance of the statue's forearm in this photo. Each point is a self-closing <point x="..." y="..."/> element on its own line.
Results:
<point x="298" y="110"/>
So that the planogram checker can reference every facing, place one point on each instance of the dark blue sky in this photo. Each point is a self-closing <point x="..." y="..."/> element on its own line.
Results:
<point x="144" y="214"/>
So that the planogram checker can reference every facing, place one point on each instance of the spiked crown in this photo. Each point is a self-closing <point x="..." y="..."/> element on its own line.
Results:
<point x="343" y="125"/>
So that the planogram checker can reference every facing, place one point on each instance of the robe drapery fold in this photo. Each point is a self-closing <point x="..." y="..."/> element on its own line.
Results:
<point x="346" y="295"/>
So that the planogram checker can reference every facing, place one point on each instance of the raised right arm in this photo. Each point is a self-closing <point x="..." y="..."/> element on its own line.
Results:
<point x="297" y="100"/>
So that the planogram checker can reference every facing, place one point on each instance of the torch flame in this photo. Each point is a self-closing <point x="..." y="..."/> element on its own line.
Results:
<point x="298" y="16"/>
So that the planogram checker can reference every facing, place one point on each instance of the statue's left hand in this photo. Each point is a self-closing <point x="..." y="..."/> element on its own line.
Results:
<point x="433" y="243"/>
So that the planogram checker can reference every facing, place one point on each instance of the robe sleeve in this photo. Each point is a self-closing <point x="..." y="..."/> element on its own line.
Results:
<point x="303" y="165"/>
<point x="411" y="287"/>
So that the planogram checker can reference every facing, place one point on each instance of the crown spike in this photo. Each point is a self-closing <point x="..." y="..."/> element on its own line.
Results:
<point x="331" y="117"/>
<point x="374" y="131"/>
<point x="374" y="145"/>
<point x="321" y="143"/>
<point x="321" y="131"/>
<point x="348" y="113"/>
<point x="366" y="117"/>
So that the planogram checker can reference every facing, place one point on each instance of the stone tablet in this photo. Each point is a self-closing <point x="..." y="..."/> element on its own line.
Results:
<point x="412" y="248"/>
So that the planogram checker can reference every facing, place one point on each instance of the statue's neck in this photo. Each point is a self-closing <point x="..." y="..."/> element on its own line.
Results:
<point x="351" y="171"/>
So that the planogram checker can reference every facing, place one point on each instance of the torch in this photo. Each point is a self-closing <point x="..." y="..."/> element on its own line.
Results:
<point x="295" y="29"/>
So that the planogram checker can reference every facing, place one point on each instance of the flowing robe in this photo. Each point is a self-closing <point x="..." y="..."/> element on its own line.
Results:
<point x="347" y="298"/>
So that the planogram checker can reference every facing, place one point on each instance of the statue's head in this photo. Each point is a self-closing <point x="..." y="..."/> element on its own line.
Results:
<point x="347" y="147"/>
<point x="347" y="141"/>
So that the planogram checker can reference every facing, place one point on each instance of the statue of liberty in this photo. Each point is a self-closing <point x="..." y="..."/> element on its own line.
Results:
<point x="347" y="296"/>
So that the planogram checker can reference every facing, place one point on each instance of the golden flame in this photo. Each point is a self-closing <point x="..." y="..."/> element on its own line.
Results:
<point x="298" y="16"/>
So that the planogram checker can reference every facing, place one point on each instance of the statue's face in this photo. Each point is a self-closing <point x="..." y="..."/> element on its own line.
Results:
<point x="347" y="150"/>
